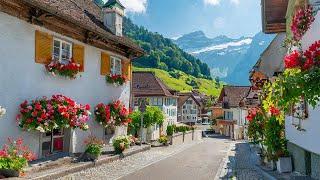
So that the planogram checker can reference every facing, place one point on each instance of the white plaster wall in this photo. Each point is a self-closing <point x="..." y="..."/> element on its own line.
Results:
<point x="308" y="139"/>
<point x="22" y="79"/>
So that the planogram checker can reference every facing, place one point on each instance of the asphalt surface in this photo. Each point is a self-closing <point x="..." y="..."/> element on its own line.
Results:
<point x="200" y="162"/>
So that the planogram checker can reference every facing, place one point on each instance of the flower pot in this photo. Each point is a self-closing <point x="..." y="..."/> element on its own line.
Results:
<point x="284" y="164"/>
<point x="92" y="157"/>
<point x="9" y="173"/>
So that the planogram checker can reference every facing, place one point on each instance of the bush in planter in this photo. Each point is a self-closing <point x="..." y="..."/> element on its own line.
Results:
<point x="121" y="143"/>
<point x="163" y="139"/>
<point x="14" y="156"/>
<point x="170" y="130"/>
<point x="93" y="147"/>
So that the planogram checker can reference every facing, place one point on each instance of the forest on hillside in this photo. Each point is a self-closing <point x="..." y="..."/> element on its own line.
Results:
<point x="162" y="53"/>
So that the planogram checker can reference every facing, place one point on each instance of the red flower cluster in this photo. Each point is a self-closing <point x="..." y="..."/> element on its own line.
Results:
<point x="113" y="114"/>
<point x="252" y="113"/>
<point x="116" y="79"/>
<point x="306" y="60"/>
<point x="58" y="112"/>
<point x="301" y="22"/>
<point x="274" y="111"/>
<point x="67" y="70"/>
<point x="14" y="149"/>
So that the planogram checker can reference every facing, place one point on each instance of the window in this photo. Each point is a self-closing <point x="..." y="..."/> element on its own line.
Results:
<point x="228" y="115"/>
<point x="52" y="142"/>
<point x="62" y="51"/>
<point x="116" y="66"/>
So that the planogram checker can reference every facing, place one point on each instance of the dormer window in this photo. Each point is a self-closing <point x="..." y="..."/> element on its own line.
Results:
<point x="62" y="51"/>
<point x="116" y="66"/>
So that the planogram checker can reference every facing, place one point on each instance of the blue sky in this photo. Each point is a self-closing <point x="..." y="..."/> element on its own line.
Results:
<point x="173" y="18"/>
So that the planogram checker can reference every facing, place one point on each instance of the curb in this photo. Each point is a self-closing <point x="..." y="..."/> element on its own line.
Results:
<point x="82" y="166"/>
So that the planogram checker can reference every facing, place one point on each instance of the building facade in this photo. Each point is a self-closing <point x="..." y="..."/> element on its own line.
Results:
<point x="147" y="85"/>
<point x="36" y="34"/>
<point x="189" y="109"/>
<point x="234" y="117"/>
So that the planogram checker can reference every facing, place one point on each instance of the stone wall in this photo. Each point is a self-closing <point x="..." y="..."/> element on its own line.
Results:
<point x="315" y="166"/>
<point x="298" y="158"/>
<point x="187" y="137"/>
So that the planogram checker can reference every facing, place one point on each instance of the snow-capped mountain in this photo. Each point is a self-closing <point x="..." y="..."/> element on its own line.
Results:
<point x="225" y="55"/>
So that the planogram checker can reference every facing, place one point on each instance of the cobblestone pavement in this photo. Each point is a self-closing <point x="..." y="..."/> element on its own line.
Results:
<point x="129" y="164"/>
<point x="240" y="164"/>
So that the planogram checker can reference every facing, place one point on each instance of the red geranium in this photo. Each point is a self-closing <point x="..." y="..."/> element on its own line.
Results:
<point x="301" y="22"/>
<point x="67" y="70"/>
<point x="112" y="114"/>
<point x="58" y="112"/>
<point x="274" y="111"/>
<point x="293" y="60"/>
<point x="116" y="79"/>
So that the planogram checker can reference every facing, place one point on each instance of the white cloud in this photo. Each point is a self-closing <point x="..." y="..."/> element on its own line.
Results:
<point x="212" y="2"/>
<point x="217" y="2"/>
<point x="135" y="6"/>
<point x="236" y="2"/>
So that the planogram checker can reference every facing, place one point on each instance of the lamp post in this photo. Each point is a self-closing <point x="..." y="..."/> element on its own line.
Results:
<point x="142" y="109"/>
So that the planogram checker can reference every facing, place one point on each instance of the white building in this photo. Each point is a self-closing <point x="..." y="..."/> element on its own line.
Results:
<point x="188" y="109"/>
<point x="234" y="116"/>
<point x="302" y="132"/>
<point x="147" y="85"/>
<point x="28" y="32"/>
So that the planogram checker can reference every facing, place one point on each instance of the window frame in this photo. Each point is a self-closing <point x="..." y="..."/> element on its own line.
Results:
<point x="61" y="41"/>
<point x="113" y="68"/>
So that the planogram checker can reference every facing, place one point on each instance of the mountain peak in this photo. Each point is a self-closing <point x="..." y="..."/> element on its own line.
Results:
<point x="194" y="35"/>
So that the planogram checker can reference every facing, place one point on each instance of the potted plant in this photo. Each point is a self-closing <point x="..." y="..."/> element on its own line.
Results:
<point x="120" y="144"/>
<point x="93" y="147"/>
<point x="14" y="156"/>
<point x="163" y="140"/>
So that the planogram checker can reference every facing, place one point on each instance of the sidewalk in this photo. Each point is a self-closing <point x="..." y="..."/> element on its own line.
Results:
<point x="240" y="164"/>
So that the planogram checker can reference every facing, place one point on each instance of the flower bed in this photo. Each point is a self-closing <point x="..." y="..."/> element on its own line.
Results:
<point x="116" y="79"/>
<point x="14" y="156"/>
<point x="69" y="70"/>
<point x="2" y="111"/>
<point x="112" y="114"/>
<point x="58" y="112"/>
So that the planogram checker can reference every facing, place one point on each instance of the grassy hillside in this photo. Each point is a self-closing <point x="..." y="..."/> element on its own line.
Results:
<point x="183" y="82"/>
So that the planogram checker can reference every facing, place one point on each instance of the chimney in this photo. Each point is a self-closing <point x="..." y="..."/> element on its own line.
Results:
<point x="113" y="12"/>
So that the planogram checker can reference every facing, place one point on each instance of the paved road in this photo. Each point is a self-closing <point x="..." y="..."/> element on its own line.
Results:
<point x="200" y="162"/>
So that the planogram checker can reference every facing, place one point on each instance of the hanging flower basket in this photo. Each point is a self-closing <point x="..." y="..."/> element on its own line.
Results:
<point x="69" y="70"/>
<point x="112" y="114"/>
<point x="117" y="80"/>
<point x="45" y="114"/>
<point x="301" y="22"/>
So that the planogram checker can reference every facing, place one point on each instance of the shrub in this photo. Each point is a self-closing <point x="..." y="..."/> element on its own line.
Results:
<point x="121" y="143"/>
<point x="170" y="130"/>
<point x="163" y="139"/>
<point x="94" y="146"/>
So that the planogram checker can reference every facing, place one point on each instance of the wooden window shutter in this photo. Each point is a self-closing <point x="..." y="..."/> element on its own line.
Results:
<point x="44" y="47"/>
<point x="105" y="68"/>
<point x="126" y="69"/>
<point x="78" y="55"/>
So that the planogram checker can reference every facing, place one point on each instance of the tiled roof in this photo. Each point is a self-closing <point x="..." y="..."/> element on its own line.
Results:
<point x="183" y="97"/>
<point x="84" y="13"/>
<point x="233" y="94"/>
<point x="147" y="84"/>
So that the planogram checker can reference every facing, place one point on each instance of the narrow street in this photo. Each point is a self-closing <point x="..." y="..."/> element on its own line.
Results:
<point x="200" y="160"/>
